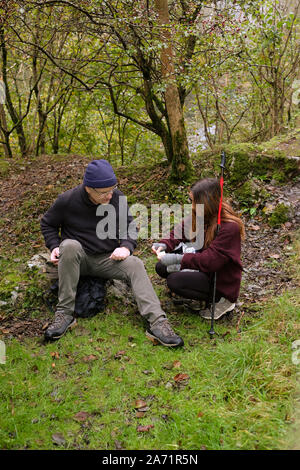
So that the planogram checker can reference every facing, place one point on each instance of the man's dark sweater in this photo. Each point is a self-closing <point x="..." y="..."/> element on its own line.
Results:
<point x="73" y="215"/>
<point x="221" y="256"/>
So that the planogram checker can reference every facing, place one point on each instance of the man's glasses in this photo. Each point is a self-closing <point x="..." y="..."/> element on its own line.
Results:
<point x="105" y="193"/>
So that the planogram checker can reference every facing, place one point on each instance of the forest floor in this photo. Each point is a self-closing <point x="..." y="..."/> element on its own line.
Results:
<point x="98" y="388"/>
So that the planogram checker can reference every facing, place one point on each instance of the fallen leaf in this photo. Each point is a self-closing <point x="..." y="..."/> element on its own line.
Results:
<point x="81" y="416"/>
<point x="176" y="364"/>
<point x="254" y="227"/>
<point x="119" y="445"/>
<point x="58" y="439"/>
<point x="145" y="428"/>
<point x="200" y="414"/>
<point x="181" y="377"/>
<point x="274" y="256"/>
<point x="153" y="340"/>
<point x="139" y="404"/>
<point x="144" y="409"/>
<point x="140" y="414"/>
<point x="89" y="358"/>
<point x="119" y="354"/>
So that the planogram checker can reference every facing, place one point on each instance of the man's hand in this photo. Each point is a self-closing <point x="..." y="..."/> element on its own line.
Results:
<point x="120" y="253"/>
<point x="54" y="255"/>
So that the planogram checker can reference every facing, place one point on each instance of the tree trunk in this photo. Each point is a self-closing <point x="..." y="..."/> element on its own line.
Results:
<point x="181" y="167"/>
<point x="40" y="143"/>
<point x="3" y="125"/>
<point x="168" y="144"/>
<point x="12" y="112"/>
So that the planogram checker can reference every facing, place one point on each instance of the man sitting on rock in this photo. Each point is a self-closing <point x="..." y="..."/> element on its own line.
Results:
<point x="79" y="247"/>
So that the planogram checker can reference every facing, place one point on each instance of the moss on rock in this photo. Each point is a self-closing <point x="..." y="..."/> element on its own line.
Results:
<point x="247" y="160"/>
<point x="279" y="216"/>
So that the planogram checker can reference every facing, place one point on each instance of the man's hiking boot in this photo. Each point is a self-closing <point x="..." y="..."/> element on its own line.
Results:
<point x="163" y="333"/>
<point x="221" y="307"/>
<point x="59" y="326"/>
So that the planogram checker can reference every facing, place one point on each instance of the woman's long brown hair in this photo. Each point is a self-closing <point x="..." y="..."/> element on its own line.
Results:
<point x="208" y="192"/>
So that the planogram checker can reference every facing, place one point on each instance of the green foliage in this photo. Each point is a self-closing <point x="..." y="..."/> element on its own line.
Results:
<point x="279" y="216"/>
<point x="252" y="193"/>
<point x="241" y="73"/>
<point x="20" y="287"/>
<point x="4" y="167"/>
<point x="224" y="66"/>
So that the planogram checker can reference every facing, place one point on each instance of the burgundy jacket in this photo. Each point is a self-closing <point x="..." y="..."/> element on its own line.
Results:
<point x="221" y="256"/>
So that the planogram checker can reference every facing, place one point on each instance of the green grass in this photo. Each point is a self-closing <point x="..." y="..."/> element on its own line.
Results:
<point x="238" y="395"/>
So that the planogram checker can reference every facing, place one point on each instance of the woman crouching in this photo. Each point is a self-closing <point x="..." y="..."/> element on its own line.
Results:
<point x="189" y="270"/>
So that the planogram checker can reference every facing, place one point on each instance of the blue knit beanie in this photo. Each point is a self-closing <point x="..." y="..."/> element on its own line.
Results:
<point x="99" y="174"/>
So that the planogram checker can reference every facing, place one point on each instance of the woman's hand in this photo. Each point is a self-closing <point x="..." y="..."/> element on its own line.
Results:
<point x="159" y="249"/>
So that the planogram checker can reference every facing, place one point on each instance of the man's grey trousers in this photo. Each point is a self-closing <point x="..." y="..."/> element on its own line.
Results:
<point x="73" y="262"/>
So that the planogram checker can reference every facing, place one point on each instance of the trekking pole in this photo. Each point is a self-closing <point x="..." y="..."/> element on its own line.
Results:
<point x="213" y="305"/>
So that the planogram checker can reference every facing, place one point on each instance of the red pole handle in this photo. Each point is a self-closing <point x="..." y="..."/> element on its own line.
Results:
<point x="221" y="200"/>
